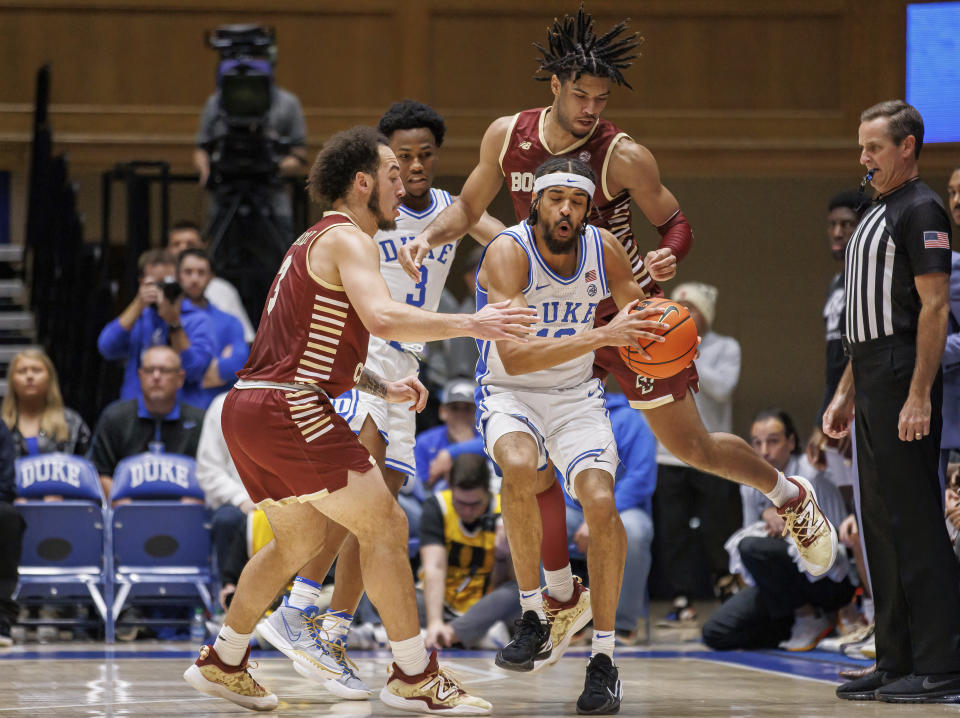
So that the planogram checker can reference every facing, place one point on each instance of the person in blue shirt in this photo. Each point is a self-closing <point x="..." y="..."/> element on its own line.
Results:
<point x="231" y="350"/>
<point x="151" y="319"/>
<point x="438" y="446"/>
<point x="636" y="480"/>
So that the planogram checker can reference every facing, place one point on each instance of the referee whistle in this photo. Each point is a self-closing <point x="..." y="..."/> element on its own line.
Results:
<point x="866" y="178"/>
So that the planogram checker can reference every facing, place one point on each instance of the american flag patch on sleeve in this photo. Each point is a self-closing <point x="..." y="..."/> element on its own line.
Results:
<point x="591" y="275"/>
<point x="936" y="240"/>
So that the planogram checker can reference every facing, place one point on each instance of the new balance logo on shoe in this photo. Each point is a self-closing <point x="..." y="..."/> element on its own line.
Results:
<point x="444" y="691"/>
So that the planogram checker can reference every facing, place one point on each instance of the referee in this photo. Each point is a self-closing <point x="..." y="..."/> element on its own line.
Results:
<point x="897" y="271"/>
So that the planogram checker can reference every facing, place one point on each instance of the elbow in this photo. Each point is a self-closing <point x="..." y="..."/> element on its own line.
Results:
<point x="380" y="326"/>
<point x="512" y="367"/>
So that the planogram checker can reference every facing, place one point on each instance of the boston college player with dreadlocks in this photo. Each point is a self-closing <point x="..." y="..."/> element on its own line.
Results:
<point x="582" y="66"/>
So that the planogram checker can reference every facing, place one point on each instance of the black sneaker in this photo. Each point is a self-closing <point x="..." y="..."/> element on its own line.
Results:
<point x="602" y="690"/>
<point x="865" y="688"/>
<point x="928" y="688"/>
<point x="530" y="643"/>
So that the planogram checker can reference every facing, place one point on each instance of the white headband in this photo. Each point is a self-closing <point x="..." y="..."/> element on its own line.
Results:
<point x="564" y="179"/>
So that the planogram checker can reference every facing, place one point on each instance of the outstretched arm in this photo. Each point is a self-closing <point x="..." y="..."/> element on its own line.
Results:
<point x="466" y="210"/>
<point x="350" y="259"/>
<point x="634" y="168"/>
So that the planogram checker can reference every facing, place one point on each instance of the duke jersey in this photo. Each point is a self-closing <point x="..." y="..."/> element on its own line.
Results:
<point x="525" y="148"/>
<point x="436" y="265"/>
<point x="309" y="332"/>
<point x="565" y="306"/>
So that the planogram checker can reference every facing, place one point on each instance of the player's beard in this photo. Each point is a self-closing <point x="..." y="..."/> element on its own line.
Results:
<point x="567" y="124"/>
<point x="559" y="246"/>
<point x="384" y="223"/>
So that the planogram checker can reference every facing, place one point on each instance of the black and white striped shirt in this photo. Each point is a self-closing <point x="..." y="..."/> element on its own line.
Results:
<point x="904" y="234"/>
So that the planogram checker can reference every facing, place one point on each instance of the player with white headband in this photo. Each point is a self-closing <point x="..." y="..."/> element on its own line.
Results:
<point x="539" y="399"/>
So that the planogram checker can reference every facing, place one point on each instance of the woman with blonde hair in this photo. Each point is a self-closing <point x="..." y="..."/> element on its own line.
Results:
<point x="33" y="408"/>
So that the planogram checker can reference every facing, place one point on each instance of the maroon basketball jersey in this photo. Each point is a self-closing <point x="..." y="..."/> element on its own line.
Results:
<point x="525" y="149"/>
<point x="309" y="332"/>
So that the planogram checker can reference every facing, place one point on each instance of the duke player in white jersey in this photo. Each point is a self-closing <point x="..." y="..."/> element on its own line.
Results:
<point x="386" y="430"/>
<point x="539" y="400"/>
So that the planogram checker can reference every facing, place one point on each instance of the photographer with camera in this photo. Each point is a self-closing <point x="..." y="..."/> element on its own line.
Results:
<point x="160" y="315"/>
<point x="252" y="133"/>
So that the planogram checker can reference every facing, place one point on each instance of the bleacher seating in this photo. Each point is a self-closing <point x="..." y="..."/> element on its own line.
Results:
<point x="66" y="549"/>
<point x="161" y="545"/>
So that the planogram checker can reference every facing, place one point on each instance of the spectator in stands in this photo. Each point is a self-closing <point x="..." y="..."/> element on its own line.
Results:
<point x="11" y="536"/>
<point x="467" y="584"/>
<point x="693" y="512"/>
<point x="633" y="491"/>
<point x="185" y="234"/>
<point x="153" y="319"/>
<point x="437" y="448"/>
<point x="231" y="350"/>
<point x="33" y="409"/>
<point x="221" y="484"/>
<point x="156" y="420"/>
<point x="950" y="438"/>
<point x="843" y="214"/>
<point x="783" y="605"/>
<point x="952" y="502"/>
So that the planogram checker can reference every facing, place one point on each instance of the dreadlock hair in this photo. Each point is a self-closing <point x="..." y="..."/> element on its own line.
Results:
<point x="574" y="49"/>
<point x="561" y="164"/>
<point x="852" y="200"/>
<point x="412" y="115"/>
<point x="343" y="155"/>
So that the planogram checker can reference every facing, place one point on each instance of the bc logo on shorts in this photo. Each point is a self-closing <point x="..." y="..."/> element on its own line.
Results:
<point x="644" y="384"/>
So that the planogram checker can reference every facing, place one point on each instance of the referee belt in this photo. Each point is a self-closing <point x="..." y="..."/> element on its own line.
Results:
<point x="862" y="349"/>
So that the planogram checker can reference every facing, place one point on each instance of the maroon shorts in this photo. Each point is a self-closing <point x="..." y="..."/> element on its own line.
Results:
<point x="641" y="392"/>
<point x="289" y="445"/>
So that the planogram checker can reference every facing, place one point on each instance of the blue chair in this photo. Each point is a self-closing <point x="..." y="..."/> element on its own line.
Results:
<point x="66" y="551"/>
<point x="161" y="546"/>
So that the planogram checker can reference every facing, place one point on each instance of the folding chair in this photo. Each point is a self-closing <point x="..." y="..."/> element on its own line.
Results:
<point x="66" y="551"/>
<point x="161" y="545"/>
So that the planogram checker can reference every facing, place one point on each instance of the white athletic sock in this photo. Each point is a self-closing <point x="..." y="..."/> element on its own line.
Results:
<point x="410" y="655"/>
<point x="231" y="646"/>
<point x="560" y="583"/>
<point x="603" y="642"/>
<point x="868" y="613"/>
<point x="532" y="601"/>
<point x="304" y="593"/>
<point x="783" y="491"/>
<point x="336" y="624"/>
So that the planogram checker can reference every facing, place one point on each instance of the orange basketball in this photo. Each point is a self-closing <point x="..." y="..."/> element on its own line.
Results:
<point x="670" y="356"/>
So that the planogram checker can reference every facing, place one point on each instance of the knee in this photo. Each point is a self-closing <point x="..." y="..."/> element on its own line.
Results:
<point x="599" y="507"/>
<point x="386" y="523"/>
<point x="717" y="636"/>
<point x="227" y="518"/>
<point x="517" y="457"/>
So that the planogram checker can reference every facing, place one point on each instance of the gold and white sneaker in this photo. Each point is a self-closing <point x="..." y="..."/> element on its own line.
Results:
<point x="433" y="691"/>
<point x="811" y="531"/>
<point x="566" y="620"/>
<point x="212" y="676"/>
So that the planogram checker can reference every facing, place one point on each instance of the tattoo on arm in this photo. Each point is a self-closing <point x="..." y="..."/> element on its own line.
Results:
<point x="372" y="384"/>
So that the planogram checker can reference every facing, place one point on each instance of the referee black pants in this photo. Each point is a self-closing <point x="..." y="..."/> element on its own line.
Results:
<point x="915" y="576"/>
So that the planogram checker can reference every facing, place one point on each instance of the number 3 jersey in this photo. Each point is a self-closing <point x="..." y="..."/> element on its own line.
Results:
<point x="309" y="331"/>
<point x="565" y="306"/>
<point x="424" y="294"/>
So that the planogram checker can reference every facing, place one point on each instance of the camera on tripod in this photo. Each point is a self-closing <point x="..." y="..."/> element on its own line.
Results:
<point x="246" y="150"/>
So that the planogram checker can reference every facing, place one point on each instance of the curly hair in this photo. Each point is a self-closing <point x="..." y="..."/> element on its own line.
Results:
<point x="343" y="155"/>
<point x="574" y="49"/>
<point x="411" y="115"/>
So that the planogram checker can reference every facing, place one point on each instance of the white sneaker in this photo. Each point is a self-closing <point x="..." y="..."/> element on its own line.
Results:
<point x="807" y="632"/>
<point x="811" y="531"/>
<point x="368" y="637"/>
<point x="496" y="637"/>
<point x="299" y="635"/>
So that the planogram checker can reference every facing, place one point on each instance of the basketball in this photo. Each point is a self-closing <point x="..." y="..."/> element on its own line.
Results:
<point x="670" y="356"/>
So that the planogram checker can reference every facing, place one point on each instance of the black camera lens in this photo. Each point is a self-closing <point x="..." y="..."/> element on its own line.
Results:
<point x="171" y="289"/>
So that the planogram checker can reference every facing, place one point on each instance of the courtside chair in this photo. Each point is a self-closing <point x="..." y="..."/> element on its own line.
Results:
<point x="66" y="549"/>
<point x="161" y="545"/>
